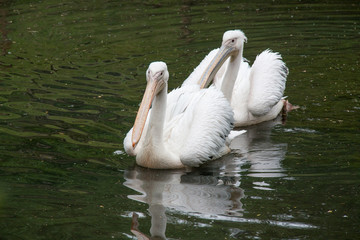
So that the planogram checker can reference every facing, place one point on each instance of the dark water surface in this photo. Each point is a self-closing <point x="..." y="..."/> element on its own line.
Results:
<point x="72" y="76"/>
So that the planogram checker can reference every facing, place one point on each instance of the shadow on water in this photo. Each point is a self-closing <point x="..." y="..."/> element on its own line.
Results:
<point x="212" y="191"/>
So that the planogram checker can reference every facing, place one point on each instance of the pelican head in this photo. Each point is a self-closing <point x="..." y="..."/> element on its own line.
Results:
<point x="234" y="38"/>
<point x="157" y="76"/>
<point x="232" y="44"/>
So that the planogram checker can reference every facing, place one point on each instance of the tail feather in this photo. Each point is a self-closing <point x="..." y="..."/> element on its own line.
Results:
<point x="268" y="79"/>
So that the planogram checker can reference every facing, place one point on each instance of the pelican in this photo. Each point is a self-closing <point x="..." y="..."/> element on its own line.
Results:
<point x="186" y="127"/>
<point x="256" y="92"/>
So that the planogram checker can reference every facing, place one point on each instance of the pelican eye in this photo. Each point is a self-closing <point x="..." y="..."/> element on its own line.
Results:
<point x="233" y="40"/>
<point x="161" y="73"/>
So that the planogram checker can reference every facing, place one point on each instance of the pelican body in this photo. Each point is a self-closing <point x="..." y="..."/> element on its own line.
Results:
<point x="186" y="127"/>
<point x="256" y="92"/>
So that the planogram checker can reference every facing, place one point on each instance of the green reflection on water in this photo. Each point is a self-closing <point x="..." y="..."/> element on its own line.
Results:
<point x="71" y="78"/>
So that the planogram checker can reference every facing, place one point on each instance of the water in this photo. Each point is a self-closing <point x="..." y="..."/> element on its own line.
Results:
<point x="72" y="76"/>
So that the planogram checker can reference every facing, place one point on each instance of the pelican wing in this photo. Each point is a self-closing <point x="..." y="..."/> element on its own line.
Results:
<point x="268" y="77"/>
<point x="178" y="100"/>
<point x="200" y="130"/>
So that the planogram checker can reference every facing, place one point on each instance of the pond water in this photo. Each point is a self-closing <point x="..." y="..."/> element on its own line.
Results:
<point x="72" y="76"/>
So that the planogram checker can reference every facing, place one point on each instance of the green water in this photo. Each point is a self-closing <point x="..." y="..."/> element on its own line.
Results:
<point x="72" y="76"/>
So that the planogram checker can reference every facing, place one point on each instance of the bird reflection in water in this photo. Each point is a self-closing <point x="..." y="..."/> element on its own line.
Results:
<point x="258" y="150"/>
<point x="211" y="191"/>
<point x="191" y="193"/>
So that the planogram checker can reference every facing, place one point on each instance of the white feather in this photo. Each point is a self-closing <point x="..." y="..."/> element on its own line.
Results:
<point x="268" y="77"/>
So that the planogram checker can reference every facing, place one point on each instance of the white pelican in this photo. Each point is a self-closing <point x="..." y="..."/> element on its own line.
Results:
<point x="256" y="92"/>
<point x="186" y="127"/>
